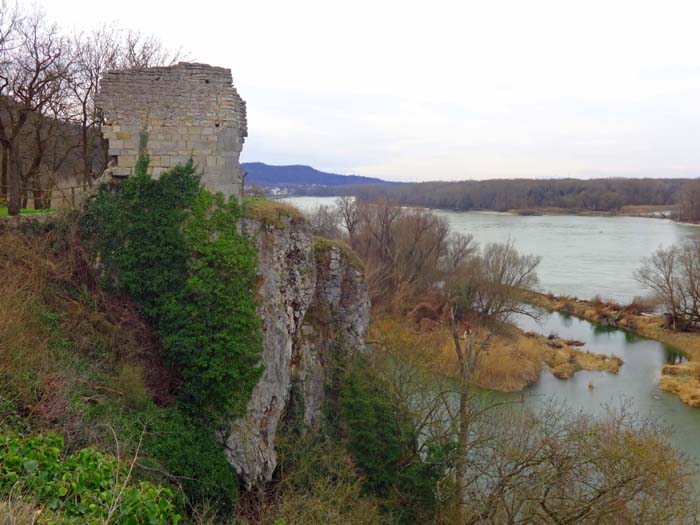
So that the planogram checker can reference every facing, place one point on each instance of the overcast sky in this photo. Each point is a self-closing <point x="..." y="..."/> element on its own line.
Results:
<point x="446" y="90"/>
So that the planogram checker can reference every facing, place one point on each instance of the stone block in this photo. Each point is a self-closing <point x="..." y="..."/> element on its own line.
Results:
<point x="127" y="161"/>
<point x="185" y="116"/>
<point x="119" y="171"/>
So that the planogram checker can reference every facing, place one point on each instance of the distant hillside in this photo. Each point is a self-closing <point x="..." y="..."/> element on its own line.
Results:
<point x="261" y="174"/>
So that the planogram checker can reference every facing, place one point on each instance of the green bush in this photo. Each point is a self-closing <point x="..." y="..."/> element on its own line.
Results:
<point x="176" y="250"/>
<point x="188" y="451"/>
<point x="386" y="449"/>
<point x="316" y="481"/>
<point x="85" y="487"/>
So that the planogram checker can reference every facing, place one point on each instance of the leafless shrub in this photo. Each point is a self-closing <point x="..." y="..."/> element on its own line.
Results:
<point x="673" y="275"/>
<point x="325" y="221"/>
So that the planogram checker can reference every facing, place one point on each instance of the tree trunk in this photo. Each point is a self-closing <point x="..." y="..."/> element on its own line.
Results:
<point x="4" y="167"/>
<point x="38" y="196"/>
<point x="460" y="463"/>
<point x="13" y="192"/>
<point x="87" y="161"/>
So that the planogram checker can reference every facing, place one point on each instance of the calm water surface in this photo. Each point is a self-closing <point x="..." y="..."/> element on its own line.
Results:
<point x="581" y="256"/>
<point x="636" y="385"/>
<point x="584" y="257"/>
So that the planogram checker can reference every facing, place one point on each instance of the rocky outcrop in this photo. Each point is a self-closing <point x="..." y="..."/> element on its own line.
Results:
<point x="312" y="300"/>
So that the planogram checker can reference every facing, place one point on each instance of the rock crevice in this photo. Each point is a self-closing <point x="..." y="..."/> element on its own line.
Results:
<point x="311" y="301"/>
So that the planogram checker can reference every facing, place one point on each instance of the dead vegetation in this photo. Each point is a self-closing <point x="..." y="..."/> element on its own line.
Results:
<point x="62" y="341"/>
<point x="510" y="362"/>
<point x="271" y="213"/>
<point x="682" y="380"/>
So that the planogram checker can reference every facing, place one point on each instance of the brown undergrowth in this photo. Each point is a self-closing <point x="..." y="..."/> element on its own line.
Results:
<point x="63" y="342"/>
<point x="682" y="380"/>
<point x="510" y="361"/>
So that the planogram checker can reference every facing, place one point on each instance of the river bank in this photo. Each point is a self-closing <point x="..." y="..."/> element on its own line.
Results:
<point x="681" y="379"/>
<point x="647" y="211"/>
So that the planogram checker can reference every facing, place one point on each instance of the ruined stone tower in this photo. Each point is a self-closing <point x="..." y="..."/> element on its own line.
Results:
<point x="188" y="110"/>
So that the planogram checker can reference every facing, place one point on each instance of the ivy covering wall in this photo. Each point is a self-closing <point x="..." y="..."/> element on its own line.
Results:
<point x="175" y="249"/>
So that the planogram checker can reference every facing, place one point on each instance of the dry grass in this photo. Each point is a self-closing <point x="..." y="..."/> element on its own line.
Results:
<point x="322" y="245"/>
<point x="686" y="388"/>
<point x="510" y="361"/>
<point x="564" y="360"/>
<point x="645" y="210"/>
<point x="682" y="380"/>
<point x="62" y="339"/>
<point x="18" y="513"/>
<point x="28" y="376"/>
<point x="271" y="212"/>
<point x="649" y="326"/>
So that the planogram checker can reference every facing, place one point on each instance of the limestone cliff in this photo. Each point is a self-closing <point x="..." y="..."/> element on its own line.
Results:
<point x="312" y="299"/>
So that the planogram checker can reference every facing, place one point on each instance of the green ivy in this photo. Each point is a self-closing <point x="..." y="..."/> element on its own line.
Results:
<point x="175" y="248"/>
<point x="85" y="487"/>
<point x="386" y="450"/>
<point x="188" y="451"/>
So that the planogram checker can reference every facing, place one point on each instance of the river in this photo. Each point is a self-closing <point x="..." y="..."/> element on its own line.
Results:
<point x="585" y="256"/>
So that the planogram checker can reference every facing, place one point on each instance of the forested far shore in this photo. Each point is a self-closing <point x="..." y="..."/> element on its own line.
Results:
<point x="525" y="194"/>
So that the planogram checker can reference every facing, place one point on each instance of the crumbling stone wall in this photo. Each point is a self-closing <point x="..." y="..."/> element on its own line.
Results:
<point x="188" y="110"/>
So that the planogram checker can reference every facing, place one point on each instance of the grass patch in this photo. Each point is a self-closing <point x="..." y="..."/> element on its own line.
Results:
<point x="23" y="211"/>
<point x="323" y="245"/>
<point x="271" y="213"/>
<point x="509" y="363"/>
<point x="81" y="363"/>
<point x="682" y="380"/>
<point x="318" y="483"/>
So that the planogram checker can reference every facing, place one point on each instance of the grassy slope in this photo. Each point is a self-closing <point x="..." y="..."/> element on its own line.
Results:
<point x="73" y="360"/>
<point x="77" y="361"/>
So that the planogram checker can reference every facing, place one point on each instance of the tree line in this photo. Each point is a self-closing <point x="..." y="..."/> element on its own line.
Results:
<point x="525" y="194"/>
<point x="49" y="124"/>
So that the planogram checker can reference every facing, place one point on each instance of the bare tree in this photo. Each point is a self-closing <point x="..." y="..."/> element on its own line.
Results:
<point x="460" y="248"/>
<point x="553" y="467"/>
<point x="140" y="51"/>
<point x="524" y="466"/>
<point x="33" y="80"/>
<point x="95" y="52"/>
<point x="673" y="274"/>
<point x="484" y="296"/>
<point x="325" y="222"/>
<point x="349" y="214"/>
<point x="689" y="202"/>
<point x="9" y="20"/>
<point x="420" y="244"/>
<point x="659" y="273"/>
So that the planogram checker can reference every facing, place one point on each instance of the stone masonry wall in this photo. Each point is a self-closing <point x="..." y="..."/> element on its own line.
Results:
<point x="188" y="109"/>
